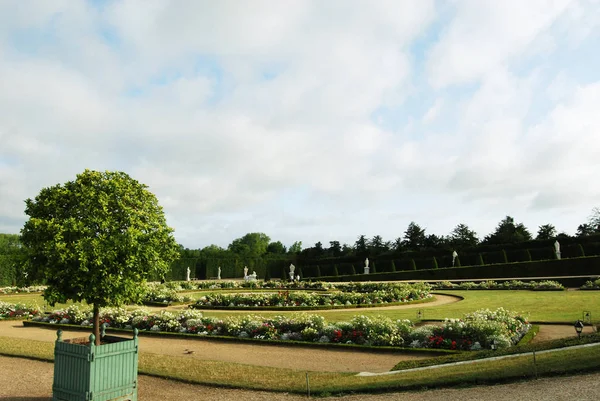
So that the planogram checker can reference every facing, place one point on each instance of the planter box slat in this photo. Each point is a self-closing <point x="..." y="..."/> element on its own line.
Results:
<point x="96" y="373"/>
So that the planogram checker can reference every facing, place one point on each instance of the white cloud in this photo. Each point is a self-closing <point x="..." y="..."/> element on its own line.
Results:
<point x="174" y="93"/>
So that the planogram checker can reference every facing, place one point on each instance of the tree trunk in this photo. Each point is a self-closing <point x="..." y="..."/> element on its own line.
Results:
<point x="97" y="323"/>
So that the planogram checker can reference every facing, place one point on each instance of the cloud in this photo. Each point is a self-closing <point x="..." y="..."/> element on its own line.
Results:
<point x="269" y="117"/>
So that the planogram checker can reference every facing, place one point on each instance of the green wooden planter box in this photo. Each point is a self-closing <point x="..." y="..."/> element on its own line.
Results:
<point x="85" y="372"/>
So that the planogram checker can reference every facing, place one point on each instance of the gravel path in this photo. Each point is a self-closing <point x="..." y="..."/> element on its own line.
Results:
<point x="23" y="379"/>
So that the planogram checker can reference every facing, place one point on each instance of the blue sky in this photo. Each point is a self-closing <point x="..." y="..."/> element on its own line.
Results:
<point x="306" y="122"/>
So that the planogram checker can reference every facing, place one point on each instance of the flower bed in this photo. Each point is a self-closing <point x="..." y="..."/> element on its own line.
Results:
<point x="591" y="285"/>
<point x="160" y="294"/>
<point x="545" y="285"/>
<point x="227" y="285"/>
<point x="18" y="311"/>
<point x="390" y="293"/>
<point x="475" y="331"/>
<point x="20" y="290"/>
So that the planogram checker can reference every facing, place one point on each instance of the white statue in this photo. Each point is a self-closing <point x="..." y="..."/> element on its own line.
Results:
<point x="245" y="271"/>
<point x="298" y="277"/>
<point x="219" y="273"/>
<point x="557" y="249"/>
<point x="292" y="268"/>
<point x="454" y="256"/>
<point x="187" y="277"/>
<point x="366" y="268"/>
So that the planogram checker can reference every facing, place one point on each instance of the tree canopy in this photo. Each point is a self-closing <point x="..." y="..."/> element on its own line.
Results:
<point x="96" y="239"/>
<point x="508" y="232"/>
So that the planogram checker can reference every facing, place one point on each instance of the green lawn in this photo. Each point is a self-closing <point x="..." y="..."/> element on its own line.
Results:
<point x="542" y="306"/>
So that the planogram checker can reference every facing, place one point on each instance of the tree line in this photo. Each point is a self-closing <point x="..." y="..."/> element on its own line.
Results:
<point x="415" y="239"/>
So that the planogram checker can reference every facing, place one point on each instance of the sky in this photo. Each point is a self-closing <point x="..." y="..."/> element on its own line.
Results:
<point x="308" y="120"/>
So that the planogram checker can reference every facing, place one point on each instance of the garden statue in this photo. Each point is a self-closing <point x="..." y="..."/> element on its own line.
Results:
<point x="292" y="268"/>
<point x="366" y="271"/>
<point x="557" y="249"/>
<point x="219" y="273"/>
<point x="187" y="277"/>
<point x="298" y="277"/>
<point x="454" y="256"/>
<point x="245" y="271"/>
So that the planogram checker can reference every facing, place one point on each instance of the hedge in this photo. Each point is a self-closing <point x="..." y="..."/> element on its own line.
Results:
<point x="550" y="268"/>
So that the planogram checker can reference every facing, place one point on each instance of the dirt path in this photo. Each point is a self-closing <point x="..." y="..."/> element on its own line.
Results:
<point x="301" y="358"/>
<point x="555" y="331"/>
<point x="23" y="379"/>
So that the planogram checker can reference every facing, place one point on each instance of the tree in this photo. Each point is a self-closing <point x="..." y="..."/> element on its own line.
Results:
<point x="97" y="239"/>
<point x="414" y="237"/>
<point x="335" y="248"/>
<point x="546" y="231"/>
<point x="594" y="219"/>
<point x="377" y="245"/>
<point x="276" y="247"/>
<point x="252" y="245"/>
<point x="296" y="247"/>
<point x="433" y="241"/>
<point x="11" y="255"/>
<point x="397" y="244"/>
<point x="584" y="230"/>
<point x="508" y="232"/>
<point x="361" y="246"/>
<point x="347" y="250"/>
<point x="463" y="237"/>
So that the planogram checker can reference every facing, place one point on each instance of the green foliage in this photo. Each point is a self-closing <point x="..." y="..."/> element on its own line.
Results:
<point x="546" y="232"/>
<point x="335" y="271"/>
<point x="296" y="248"/>
<point x="251" y="245"/>
<point x="505" y="257"/>
<point x="435" y="263"/>
<point x="96" y="239"/>
<point x="463" y="237"/>
<point x="508" y="232"/>
<point x="480" y="259"/>
<point x="413" y="265"/>
<point x="414" y="237"/>
<point x="393" y="266"/>
<point x="11" y="258"/>
<point x="457" y="261"/>
<point x="581" y="251"/>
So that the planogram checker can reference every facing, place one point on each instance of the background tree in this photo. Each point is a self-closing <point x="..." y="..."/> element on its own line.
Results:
<point x="414" y="237"/>
<point x="251" y="245"/>
<point x="296" y="248"/>
<point x="97" y="239"/>
<point x="335" y="248"/>
<point x="434" y="242"/>
<point x="546" y="231"/>
<point x="360" y="246"/>
<point x="508" y="232"/>
<point x="11" y="256"/>
<point x="276" y="247"/>
<point x="347" y="250"/>
<point x="463" y="237"/>
<point x="377" y="246"/>
<point x="594" y="220"/>
<point x="584" y="230"/>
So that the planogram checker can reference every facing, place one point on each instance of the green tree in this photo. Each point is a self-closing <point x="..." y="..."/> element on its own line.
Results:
<point x="546" y="231"/>
<point x="584" y="230"/>
<point x="296" y="248"/>
<point x="251" y="245"/>
<point x="335" y="248"/>
<point x="508" y="232"/>
<point x="11" y="256"/>
<point x="377" y="245"/>
<point x="276" y="248"/>
<point x="594" y="220"/>
<point x="361" y="246"/>
<point x="463" y="237"/>
<point x="97" y="239"/>
<point x="414" y="237"/>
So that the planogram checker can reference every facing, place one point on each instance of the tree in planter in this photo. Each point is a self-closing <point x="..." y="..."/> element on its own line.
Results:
<point x="96" y="239"/>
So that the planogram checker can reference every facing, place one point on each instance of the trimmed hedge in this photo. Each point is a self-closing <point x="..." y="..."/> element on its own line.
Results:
<point x="550" y="268"/>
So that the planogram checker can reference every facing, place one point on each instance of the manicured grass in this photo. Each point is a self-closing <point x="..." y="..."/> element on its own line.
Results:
<point x="276" y="379"/>
<point x="541" y="306"/>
